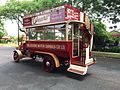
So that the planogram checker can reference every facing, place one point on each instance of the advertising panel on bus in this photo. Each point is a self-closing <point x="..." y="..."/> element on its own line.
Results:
<point x="54" y="15"/>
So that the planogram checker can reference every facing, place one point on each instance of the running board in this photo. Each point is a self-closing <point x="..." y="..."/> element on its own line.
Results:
<point x="77" y="69"/>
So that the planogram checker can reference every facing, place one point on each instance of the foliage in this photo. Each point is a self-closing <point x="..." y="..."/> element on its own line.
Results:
<point x="99" y="8"/>
<point x="2" y="30"/>
<point x="16" y="9"/>
<point x="101" y="37"/>
<point x="48" y="3"/>
<point x="114" y="49"/>
<point x="12" y="39"/>
<point x="116" y="40"/>
<point x="103" y="40"/>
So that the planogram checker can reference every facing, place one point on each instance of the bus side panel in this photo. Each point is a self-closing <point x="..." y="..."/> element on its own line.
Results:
<point x="59" y="48"/>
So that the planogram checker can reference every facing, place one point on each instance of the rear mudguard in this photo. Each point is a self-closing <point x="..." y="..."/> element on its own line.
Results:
<point x="57" y="63"/>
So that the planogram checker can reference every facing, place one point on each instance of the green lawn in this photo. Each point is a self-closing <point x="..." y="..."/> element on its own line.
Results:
<point x="106" y="54"/>
<point x="9" y="45"/>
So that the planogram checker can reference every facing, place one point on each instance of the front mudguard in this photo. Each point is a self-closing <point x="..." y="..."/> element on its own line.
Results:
<point x="20" y="55"/>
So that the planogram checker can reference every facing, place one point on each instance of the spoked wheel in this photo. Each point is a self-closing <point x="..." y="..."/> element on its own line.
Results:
<point x="16" y="57"/>
<point x="49" y="64"/>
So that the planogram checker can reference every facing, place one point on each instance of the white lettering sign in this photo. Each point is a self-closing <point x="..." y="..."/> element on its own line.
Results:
<point x="46" y="46"/>
<point x="41" y="19"/>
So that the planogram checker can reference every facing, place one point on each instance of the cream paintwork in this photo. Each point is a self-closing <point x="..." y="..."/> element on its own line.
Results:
<point x="78" y="68"/>
<point x="82" y="16"/>
<point x="91" y="43"/>
<point x="20" y="55"/>
<point x="88" y="49"/>
<point x="88" y="59"/>
<point x="57" y="63"/>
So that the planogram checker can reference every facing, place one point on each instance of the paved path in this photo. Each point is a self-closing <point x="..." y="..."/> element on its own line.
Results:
<point x="29" y="75"/>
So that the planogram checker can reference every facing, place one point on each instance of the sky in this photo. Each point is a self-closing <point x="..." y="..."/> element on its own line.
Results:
<point x="110" y="24"/>
<point x="11" y="26"/>
<point x="2" y="1"/>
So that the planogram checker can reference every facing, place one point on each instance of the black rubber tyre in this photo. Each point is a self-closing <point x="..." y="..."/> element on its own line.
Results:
<point x="49" y="64"/>
<point x="16" y="57"/>
<point x="33" y="57"/>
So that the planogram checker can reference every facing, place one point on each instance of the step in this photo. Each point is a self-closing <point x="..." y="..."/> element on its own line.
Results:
<point x="77" y="69"/>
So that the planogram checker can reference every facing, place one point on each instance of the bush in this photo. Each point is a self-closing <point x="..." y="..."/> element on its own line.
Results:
<point x="3" y="41"/>
<point x="114" y="49"/>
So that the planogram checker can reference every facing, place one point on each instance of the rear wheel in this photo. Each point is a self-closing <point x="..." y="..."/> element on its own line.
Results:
<point x="16" y="57"/>
<point x="33" y="56"/>
<point x="49" y="64"/>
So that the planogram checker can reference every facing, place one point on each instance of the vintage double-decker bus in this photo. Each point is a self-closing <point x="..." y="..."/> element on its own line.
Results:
<point x="61" y="36"/>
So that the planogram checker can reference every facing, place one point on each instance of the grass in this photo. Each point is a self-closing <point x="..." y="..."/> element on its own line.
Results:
<point x="9" y="45"/>
<point x="106" y="54"/>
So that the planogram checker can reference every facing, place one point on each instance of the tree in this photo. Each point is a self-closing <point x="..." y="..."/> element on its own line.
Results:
<point x="101" y="37"/>
<point x="49" y="3"/>
<point x="99" y="8"/>
<point x="2" y="30"/>
<point x="15" y="9"/>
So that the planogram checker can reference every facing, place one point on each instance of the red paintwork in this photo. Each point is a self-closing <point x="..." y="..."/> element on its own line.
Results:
<point x="72" y="13"/>
<point x="27" y="21"/>
<point x="59" y="48"/>
<point x="54" y="47"/>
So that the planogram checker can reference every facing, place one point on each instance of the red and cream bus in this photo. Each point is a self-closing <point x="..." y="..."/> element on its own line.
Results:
<point x="61" y="36"/>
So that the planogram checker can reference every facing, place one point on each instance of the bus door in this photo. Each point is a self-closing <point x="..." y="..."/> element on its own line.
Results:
<point x="75" y="44"/>
<point x="78" y="45"/>
<point x="76" y="63"/>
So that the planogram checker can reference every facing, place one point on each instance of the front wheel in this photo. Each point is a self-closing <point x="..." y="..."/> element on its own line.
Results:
<point x="49" y="64"/>
<point x="16" y="57"/>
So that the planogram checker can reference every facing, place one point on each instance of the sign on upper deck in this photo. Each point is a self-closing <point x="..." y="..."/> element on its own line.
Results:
<point x="54" y="15"/>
